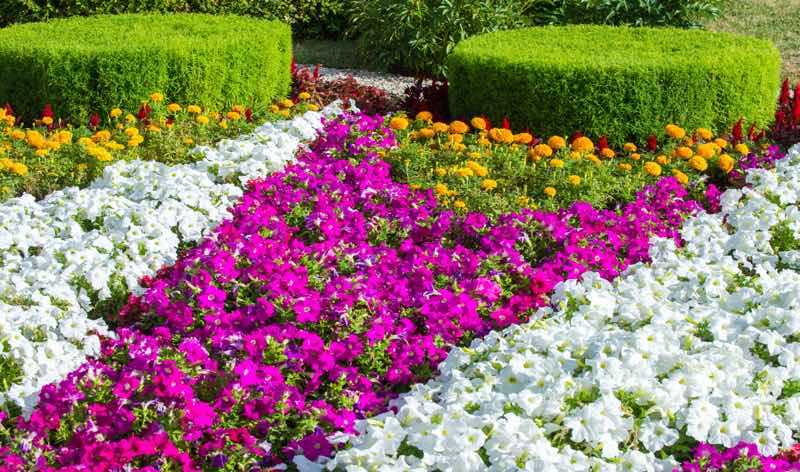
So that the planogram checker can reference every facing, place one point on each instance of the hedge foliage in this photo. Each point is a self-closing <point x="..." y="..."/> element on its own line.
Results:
<point x="308" y="18"/>
<point x="618" y="81"/>
<point x="82" y="65"/>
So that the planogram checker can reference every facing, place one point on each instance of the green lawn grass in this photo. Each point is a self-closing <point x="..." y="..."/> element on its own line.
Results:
<point x="777" y="20"/>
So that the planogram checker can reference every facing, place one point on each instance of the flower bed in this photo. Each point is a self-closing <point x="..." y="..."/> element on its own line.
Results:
<point x="74" y="256"/>
<point x="332" y="289"/>
<point x="697" y="346"/>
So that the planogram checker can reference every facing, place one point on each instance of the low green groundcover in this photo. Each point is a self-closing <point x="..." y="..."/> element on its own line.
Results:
<point x="81" y="65"/>
<point x="622" y="82"/>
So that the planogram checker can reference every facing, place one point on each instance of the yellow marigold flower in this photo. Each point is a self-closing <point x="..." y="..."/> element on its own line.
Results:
<point x="233" y="115"/>
<point x="156" y="97"/>
<point x="704" y="133"/>
<point x="501" y="135"/>
<point x="441" y="172"/>
<point x="474" y="155"/>
<point x="135" y="140"/>
<point x="465" y="172"/>
<point x="556" y="142"/>
<point x="675" y="131"/>
<point x="41" y="152"/>
<point x="47" y="120"/>
<point x="625" y="167"/>
<point x="523" y="201"/>
<point x="596" y="160"/>
<point x="19" y="169"/>
<point x="82" y="167"/>
<point x="441" y="189"/>
<point x="64" y="137"/>
<point x="721" y="143"/>
<point x="131" y="131"/>
<point x="115" y="113"/>
<point x="455" y="138"/>
<point x="194" y="109"/>
<point x="742" y="148"/>
<point x="707" y="150"/>
<point x="583" y="144"/>
<point x="303" y="95"/>
<point x="489" y="184"/>
<point x="574" y="180"/>
<point x="608" y="153"/>
<point x="652" y="168"/>
<point x="698" y="163"/>
<point x="680" y="176"/>
<point x="424" y="116"/>
<point x="415" y="186"/>
<point x="188" y="141"/>
<point x="483" y="141"/>
<point x="426" y="133"/>
<point x="102" y="135"/>
<point x="284" y="113"/>
<point x="398" y="123"/>
<point x="113" y="146"/>
<point x="726" y="163"/>
<point x="440" y="127"/>
<point x="223" y="124"/>
<point x="154" y="129"/>
<point x="458" y="127"/>
<point x="35" y="139"/>
<point x="274" y="109"/>
<point x="636" y="156"/>
<point x="550" y="192"/>
<point x="313" y="107"/>
<point x="478" y="123"/>
<point x="459" y="204"/>
<point x="684" y="152"/>
<point x="542" y="150"/>
<point x="556" y="163"/>
<point x="201" y="119"/>
<point x="174" y="108"/>
<point x="629" y="147"/>
<point x="18" y="134"/>
<point x="662" y="159"/>
<point x="523" y="138"/>
<point x="481" y="171"/>
<point x="287" y="103"/>
<point x="84" y="141"/>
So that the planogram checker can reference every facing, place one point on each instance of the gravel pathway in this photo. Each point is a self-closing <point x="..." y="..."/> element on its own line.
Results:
<point x="392" y="83"/>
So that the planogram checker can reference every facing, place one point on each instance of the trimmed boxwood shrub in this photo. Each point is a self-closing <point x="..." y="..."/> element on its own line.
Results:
<point x="618" y="81"/>
<point x="84" y="65"/>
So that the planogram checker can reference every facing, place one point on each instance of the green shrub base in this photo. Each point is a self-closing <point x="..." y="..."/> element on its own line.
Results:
<point x="625" y="83"/>
<point x="82" y="65"/>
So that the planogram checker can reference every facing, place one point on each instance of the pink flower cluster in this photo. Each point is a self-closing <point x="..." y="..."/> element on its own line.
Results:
<point x="742" y="457"/>
<point x="330" y="290"/>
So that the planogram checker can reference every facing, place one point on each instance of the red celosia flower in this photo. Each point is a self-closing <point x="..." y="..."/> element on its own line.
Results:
<point x="248" y="115"/>
<point x="94" y="121"/>
<point x="506" y="123"/>
<point x="144" y="111"/>
<point x="737" y="132"/>
<point x="602" y="143"/>
<point x="8" y="109"/>
<point x="47" y="111"/>
<point x="316" y="71"/>
<point x="294" y="65"/>
<point x="796" y="111"/>
<point x="652" y="143"/>
<point x="784" y="100"/>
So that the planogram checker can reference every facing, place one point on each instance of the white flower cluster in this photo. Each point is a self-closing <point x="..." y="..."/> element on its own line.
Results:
<point x="63" y="255"/>
<point x="702" y="344"/>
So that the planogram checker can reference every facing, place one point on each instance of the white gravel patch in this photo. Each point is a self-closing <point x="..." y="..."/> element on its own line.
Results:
<point x="392" y="83"/>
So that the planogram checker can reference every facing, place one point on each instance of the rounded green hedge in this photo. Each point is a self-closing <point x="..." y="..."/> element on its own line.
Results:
<point x="86" y="65"/>
<point x="625" y="83"/>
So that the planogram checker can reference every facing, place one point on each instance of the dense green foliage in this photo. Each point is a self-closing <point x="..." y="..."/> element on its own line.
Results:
<point x="80" y="65"/>
<point x="681" y="13"/>
<point x="417" y="35"/>
<point x="308" y="18"/>
<point x="622" y="82"/>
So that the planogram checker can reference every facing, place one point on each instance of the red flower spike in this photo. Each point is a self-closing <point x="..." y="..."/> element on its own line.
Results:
<point x="737" y="132"/>
<point x="506" y="123"/>
<point x="47" y="111"/>
<point x="8" y="109"/>
<point x="784" y="100"/>
<point x="316" y="71"/>
<point x="751" y="133"/>
<point x="294" y="65"/>
<point x="796" y="110"/>
<point x="780" y="118"/>
<point x="602" y="143"/>
<point x="248" y="115"/>
<point x="144" y="111"/>
<point x="652" y="143"/>
<point x="94" y="121"/>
